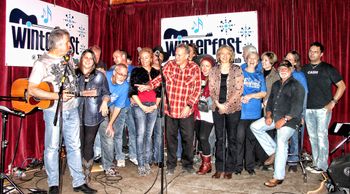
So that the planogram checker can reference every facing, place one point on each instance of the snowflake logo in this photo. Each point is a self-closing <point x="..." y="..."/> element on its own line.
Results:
<point x="82" y="31"/>
<point x="226" y="25"/>
<point x="70" y="20"/>
<point x="82" y="48"/>
<point x="245" y="31"/>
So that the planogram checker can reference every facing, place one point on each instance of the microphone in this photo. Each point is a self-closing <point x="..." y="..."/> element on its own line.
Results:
<point x="157" y="53"/>
<point x="139" y="49"/>
<point x="68" y="55"/>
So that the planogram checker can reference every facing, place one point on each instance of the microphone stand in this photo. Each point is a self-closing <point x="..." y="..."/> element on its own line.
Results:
<point x="5" y="111"/>
<point x="161" y="115"/>
<point x="59" y="111"/>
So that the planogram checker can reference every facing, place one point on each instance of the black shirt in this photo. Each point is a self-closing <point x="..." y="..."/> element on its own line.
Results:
<point x="286" y="100"/>
<point x="320" y="78"/>
<point x="223" y="88"/>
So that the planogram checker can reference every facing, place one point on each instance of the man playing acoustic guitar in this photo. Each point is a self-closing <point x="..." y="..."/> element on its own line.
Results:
<point x="50" y="67"/>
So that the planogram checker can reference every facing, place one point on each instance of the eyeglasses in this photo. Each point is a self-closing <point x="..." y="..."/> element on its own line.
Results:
<point x="123" y="75"/>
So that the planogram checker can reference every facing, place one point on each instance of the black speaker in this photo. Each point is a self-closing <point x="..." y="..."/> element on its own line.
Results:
<point x="339" y="171"/>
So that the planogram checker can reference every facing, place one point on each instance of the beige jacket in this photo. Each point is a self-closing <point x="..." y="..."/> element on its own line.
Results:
<point x="234" y="87"/>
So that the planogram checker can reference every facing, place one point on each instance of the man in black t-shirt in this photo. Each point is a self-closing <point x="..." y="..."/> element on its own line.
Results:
<point x="320" y="77"/>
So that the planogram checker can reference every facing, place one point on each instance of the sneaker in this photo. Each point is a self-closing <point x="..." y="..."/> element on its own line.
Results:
<point x="147" y="169"/>
<point x="97" y="159"/>
<point x="170" y="171"/>
<point x="309" y="168"/>
<point x="293" y="168"/>
<point x="121" y="163"/>
<point x="316" y="170"/>
<point x="141" y="170"/>
<point x="134" y="161"/>
<point x="111" y="172"/>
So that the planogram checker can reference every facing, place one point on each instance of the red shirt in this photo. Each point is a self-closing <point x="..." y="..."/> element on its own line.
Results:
<point x="183" y="87"/>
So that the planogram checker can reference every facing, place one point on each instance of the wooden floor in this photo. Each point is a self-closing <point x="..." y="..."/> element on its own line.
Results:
<point x="179" y="183"/>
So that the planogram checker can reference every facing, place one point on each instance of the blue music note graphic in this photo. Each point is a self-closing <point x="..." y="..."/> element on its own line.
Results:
<point x="195" y="28"/>
<point x="46" y="14"/>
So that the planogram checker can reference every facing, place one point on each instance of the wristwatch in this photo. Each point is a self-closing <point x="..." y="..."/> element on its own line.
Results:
<point x="286" y="119"/>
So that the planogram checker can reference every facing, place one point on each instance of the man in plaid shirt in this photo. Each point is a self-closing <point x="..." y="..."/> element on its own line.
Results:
<point x="183" y="86"/>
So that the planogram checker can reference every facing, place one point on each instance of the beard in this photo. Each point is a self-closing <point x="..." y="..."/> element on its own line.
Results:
<point x="284" y="75"/>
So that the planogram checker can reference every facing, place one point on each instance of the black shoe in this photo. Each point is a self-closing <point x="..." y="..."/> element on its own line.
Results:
<point x="189" y="170"/>
<point x="293" y="168"/>
<point x="251" y="172"/>
<point x="85" y="189"/>
<point x="53" y="190"/>
<point x="238" y="172"/>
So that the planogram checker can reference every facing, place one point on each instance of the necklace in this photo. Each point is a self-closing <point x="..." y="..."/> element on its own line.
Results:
<point x="314" y="66"/>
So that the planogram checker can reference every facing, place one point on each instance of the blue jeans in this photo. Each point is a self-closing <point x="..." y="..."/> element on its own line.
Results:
<point x="107" y="146"/>
<point x="294" y="141"/>
<point x="157" y="140"/>
<point x="317" y="121"/>
<point x="130" y="123"/>
<point x="118" y="127"/>
<point x="294" y="147"/>
<point x="259" y="129"/>
<point x="144" y="123"/>
<point x="71" y="134"/>
<point x="283" y="135"/>
<point x="97" y="144"/>
<point x="179" y="145"/>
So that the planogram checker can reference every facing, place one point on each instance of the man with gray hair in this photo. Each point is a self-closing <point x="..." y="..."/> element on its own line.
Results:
<point x="53" y="67"/>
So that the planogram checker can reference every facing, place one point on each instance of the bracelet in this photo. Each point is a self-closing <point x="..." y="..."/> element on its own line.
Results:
<point x="334" y="100"/>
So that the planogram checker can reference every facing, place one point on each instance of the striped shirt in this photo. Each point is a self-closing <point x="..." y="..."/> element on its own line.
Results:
<point x="183" y="87"/>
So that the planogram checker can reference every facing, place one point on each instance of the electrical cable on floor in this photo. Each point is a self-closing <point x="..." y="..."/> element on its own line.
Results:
<point x="108" y="181"/>
<point x="154" y="182"/>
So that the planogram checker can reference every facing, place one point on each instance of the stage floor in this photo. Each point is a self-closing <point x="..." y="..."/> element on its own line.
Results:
<point x="179" y="183"/>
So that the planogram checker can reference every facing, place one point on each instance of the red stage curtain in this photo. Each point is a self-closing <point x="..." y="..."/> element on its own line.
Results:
<point x="283" y="25"/>
<point x="31" y="142"/>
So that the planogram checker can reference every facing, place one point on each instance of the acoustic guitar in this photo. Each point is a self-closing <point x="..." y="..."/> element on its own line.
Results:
<point x="20" y="89"/>
<point x="26" y="103"/>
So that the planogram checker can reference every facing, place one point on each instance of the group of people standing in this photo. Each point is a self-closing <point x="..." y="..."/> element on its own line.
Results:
<point x="199" y="92"/>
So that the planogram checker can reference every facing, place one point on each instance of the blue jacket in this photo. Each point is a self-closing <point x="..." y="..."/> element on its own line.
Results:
<point x="89" y="106"/>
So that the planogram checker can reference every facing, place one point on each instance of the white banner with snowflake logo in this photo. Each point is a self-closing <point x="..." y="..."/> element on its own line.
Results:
<point x="209" y="32"/>
<point x="28" y="26"/>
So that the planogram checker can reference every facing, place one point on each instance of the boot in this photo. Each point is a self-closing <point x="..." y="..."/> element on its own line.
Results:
<point x="87" y="166"/>
<point x="206" y="165"/>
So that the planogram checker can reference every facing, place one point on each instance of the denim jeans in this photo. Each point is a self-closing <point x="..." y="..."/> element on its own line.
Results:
<point x="283" y="135"/>
<point x="118" y="126"/>
<point x="259" y="129"/>
<point x="294" y="140"/>
<point x="107" y="146"/>
<point x="130" y="123"/>
<point x="97" y="144"/>
<point x="293" y="158"/>
<point x="70" y="133"/>
<point x="144" y="123"/>
<point x="158" y="139"/>
<point x="179" y="145"/>
<point x="317" y="121"/>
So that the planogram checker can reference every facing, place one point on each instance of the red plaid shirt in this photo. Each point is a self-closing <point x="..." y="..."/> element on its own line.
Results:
<point x="183" y="87"/>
